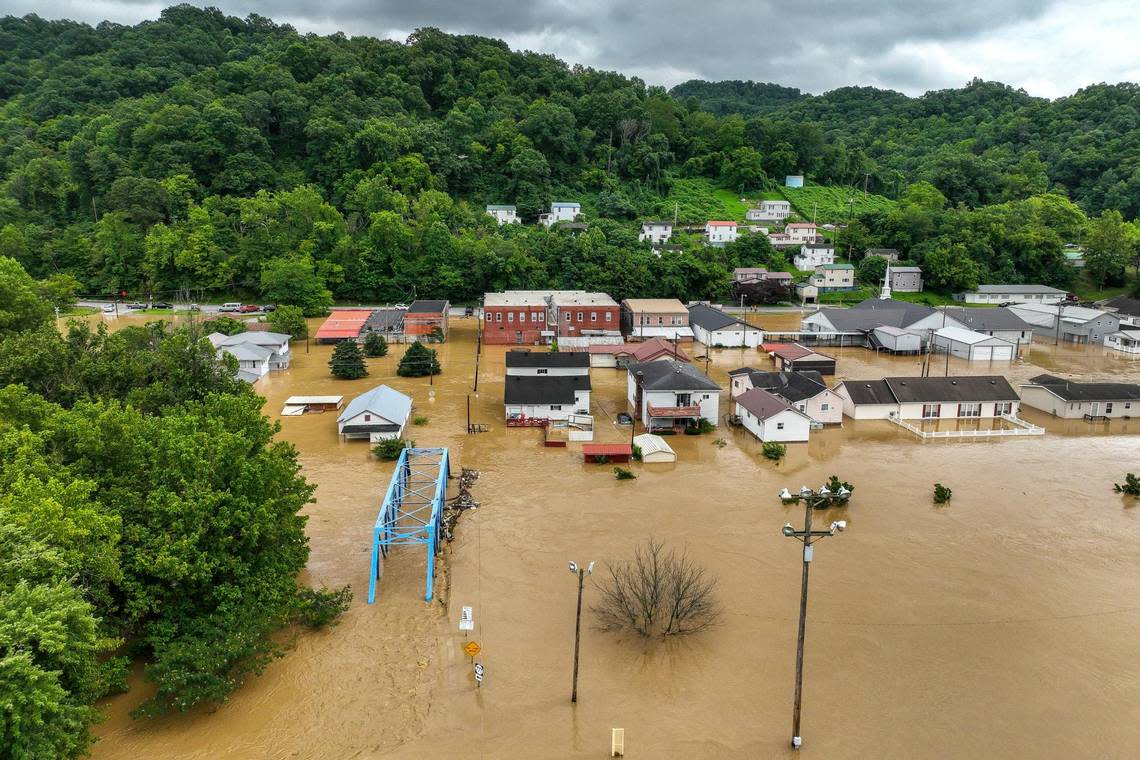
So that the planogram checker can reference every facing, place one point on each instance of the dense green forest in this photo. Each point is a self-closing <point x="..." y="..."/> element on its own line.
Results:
<point x="208" y="155"/>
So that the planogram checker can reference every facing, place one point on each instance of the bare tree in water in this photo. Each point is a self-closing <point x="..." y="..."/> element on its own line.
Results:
<point x="657" y="593"/>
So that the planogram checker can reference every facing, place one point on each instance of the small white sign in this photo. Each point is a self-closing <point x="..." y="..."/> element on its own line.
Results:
<point x="479" y="672"/>
<point x="466" y="614"/>
<point x="467" y="625"/>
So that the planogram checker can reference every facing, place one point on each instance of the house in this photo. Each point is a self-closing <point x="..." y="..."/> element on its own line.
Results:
<point x="622" y="355"/>
<point x="720" y="233"/>
<point x="928" y="398"/>
<point x="654" y="449"/>
<point x="744" y="275"/>
<point x="806" y="292"/>
<point x="253" y="361"/>
<point x="1128" y="309"/>
<point x="794" y="180"/>
<point x="784" y="278"/>
<point x="655" y="318"/>
<point x="895" y="340"/>
<point x="257" y="352"/>
<point x="423" y="317"/>
<point x="870" y="313"/>
<point x="769" y="211"/>
<point x="802" y="232"/>
<point x="1072" y="400"/>
<point x="671" y="394"/>
<point x="387" y="322"/>
<point x="806" y="391"/>
<point x="560" y="211"/>
<point x="1070" y="324"/>
<point x="998" y="322"/>
<point x="503" y="214"/>
<point x="890" y="254"/>
<point x="545" y="385"/>
<point x="972" y="346"/>
<point x="781" y="240"/>
<point x="792" y="357"/>
<point x="997" y="294"/>
<point x="812" y="255"/>
<point x="343" y="324"/>
<point x="1124" y="341"/>
<point x="579" y="318"/>
<point x="771" y="418"/>
<point x="381" y="413"/>
<point x="906" y="279"/>
<point x="715" y="328"/>
<point x="655" y="232"/>
<point x="831" y="277"/>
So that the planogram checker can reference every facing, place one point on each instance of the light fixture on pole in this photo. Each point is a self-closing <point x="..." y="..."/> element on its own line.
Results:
<point x="581" y="572"/>
<point x="807" y="536"/>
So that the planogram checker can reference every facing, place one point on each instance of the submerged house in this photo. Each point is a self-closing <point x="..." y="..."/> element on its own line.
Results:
<point x="1069" y="324"/>
<point x="671" y="394"/>
<point x="928" y="398"/>
<point x="972" y="346"/>
<point x="806" y="391"/>
<point x="544" y="385"/>
<point x="379" y="414"/>
<point x="622" y="355"/>
<point x="792" y="357"/>
<point x="771" y="418"/>
<point x="715" y="328"/>
<point x="1070" y="400"/>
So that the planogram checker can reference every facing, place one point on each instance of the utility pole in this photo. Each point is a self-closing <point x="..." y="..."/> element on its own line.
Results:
<point x="581" y="572"/>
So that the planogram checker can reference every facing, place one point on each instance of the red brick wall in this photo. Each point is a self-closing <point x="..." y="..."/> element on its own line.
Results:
<point x="592" y="318"/>
<point x="422" y="324"/>
<point x="502" y="323"/>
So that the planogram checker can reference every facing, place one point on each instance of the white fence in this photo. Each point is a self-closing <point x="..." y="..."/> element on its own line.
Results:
<point x="1021" y="427"/>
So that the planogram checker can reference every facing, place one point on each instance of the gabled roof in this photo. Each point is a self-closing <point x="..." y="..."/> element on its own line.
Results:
<point x="1069" y="390"/>
<point x="721" y="224"/>
<point x="544" y="359"/>
<point x="793" y="386"/>
<point x="248" y="352"/>
<point x="800" y="226"/>
<point x="642" y="352"/>
<point x="968" y="337"/>
<point x="260" y="338"/>
<point x="499" y="207"/>
<point x="819" y="246"/>
<point x="714" y="319"/>
<point x="882" y="252"/>
<point x="544" y="389"/>
<point x="906" y="270"/>
<point x="1124" y="305"/>
<point x="909" y="390"/>
<point x="1000" y="318"/>
<point x="763" y="404"/>
<point x="670" y="375"/>
<point x="420" y="306"/>
<point x="565" y="204"/>
<point x="836" y="266"/>
<point x="383" y="402"/>
<point x="875" y="312"/>
<point x="1068" y="313"/>
<point x="869" y="391"/>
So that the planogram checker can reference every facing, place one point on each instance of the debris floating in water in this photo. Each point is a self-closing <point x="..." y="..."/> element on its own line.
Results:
<point x="457" y="504"/>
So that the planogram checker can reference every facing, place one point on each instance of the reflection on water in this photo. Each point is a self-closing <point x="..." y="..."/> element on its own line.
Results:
<point x="1000" y="625"/>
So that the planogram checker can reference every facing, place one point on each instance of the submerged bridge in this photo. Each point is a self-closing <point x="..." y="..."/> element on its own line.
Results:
<point x="412" y="512"/>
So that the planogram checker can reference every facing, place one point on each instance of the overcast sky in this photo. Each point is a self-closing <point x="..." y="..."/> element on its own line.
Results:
<point x="1049" y="48"/>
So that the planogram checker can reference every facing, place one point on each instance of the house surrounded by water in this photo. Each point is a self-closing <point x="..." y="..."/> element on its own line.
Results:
<point x="671" y="394"/>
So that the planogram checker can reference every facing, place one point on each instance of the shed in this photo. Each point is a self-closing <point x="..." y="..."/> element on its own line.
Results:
<point x="654" y="448"/>
<point x="792" y="357"/>
<point x="973" y="346"/>
<point x="376" y="415"/>
<point x="896" y="340"/>
<point x="607" y="452"/>
<point x="298" y="405"/>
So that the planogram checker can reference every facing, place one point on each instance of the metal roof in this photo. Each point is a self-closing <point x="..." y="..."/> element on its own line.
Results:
<point x="1020" y="289"/>
<point x="969" y="337"/>
<point x="669" y="305"/>
<point x="383" y="402"/>
<point x="344" y="323"/>
<point x="1000" y="318"/>
<point x="428" y="307"/>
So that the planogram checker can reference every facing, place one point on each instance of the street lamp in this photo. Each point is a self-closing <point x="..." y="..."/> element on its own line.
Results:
<point x="582" y="572"/>
<point x="812" y="500"/>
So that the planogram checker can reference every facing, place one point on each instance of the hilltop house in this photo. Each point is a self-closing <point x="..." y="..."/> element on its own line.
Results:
<point x="671" y="394"/>
<point x="802" y="232"/>
<point x="1072" y="400"/>
<point x="655" y="318"/>
<point x="545" y="385"/>
<point x="806" y="391"/>
<point x="720" y="233"/>
<point x="997" y="294"/>
<point x="769" y="211"/>
<point x="715" y="328"/>
<point x="906" y="279"/>
<point x="503" y="214"/>
<point x="928" y="398"/>
<point x="379" y="414"/>
<point x="656" y="232"/>
<point x="771" y="418"/>
<point x="743" y="275"/>
<point x="812" y="255"/>
<point x="831" y="277"/>
<point x="560" y="211"/>
<point x="1071" y="324"/>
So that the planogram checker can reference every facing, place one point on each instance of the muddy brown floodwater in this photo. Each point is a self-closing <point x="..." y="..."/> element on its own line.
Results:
<point x="1003" y="625"/>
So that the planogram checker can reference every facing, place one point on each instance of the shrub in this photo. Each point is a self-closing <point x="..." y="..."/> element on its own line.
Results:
<point x="623" y="474"/>
<point x="390" y="448"/>
<point x="375" y="345"/>
<point x="418" y="361"/>
<point x="1131" y="486"/>
<point x="834" y="484"/>
<point x="705" y="426"/>
<point x="224" y="325"/>
<point x="774" y="451"/>
<point x="656" y="594"/>
<point x="317" y="608"/>
<point x="692" y="430"/>
<point x="436" y="335"/>
<point x="637" y="455"/>
<point x="420" y="420"/>
<point x="347" y="361"/>
<point x="942" y="494"/>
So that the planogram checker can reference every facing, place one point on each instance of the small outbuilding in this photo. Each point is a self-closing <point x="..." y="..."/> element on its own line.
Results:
<point x="973" y="346"/>
<point x="607" y="452"/>
<point x="792" y="357"/>
<point x="379" y="414"/>
<point x="896" y="340"/>
<point x="654" y="448"/>
<point x="295" y="406"/>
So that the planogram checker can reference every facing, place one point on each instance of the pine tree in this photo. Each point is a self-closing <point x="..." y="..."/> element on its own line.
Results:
<point x="418" y="361"/>
<point x="347" y="361"/>
<point x="375" y="345"/>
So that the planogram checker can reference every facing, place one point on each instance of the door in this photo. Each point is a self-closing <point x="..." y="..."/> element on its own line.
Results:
<point x="983" y="353"/>
<point x="518" y="337"/>
<point x="1003" y="353"/>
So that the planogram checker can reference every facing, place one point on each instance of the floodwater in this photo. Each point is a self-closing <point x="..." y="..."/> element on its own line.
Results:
<point x="1003" y="624"/>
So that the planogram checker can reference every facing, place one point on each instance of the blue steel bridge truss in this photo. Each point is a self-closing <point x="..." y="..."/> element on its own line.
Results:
<point x="412" y="512"/>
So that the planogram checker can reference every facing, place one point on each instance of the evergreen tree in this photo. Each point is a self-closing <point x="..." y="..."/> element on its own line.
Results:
<point x="347" y="361"/>
<point x="375" y="345"/>
<point x="418" y="361"/>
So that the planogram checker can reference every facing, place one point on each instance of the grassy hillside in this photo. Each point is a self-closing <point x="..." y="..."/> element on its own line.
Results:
<point x="699" y="200"/>
<point x="830" y="203"/>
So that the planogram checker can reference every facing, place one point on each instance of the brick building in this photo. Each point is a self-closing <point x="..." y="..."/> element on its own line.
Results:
<point x="527" y="317"/>
<point x="423" y="316"/>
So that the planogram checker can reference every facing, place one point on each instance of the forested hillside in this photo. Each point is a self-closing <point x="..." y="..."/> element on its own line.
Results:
<point x="207" y="154"/>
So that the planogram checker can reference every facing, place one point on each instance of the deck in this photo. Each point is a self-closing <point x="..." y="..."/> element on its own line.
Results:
<point x="1020" y="428"/>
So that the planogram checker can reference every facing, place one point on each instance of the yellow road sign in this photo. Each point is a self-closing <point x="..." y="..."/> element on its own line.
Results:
<point x="472" y="648"/>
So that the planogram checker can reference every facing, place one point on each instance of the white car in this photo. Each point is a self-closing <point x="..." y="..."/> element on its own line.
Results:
<point x="109" y="309"/>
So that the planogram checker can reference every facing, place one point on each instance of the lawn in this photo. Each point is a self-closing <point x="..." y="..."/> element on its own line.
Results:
<point x="830" y="203"/>
<point x="1086" y="291"/>
<point x="698" y="201"/>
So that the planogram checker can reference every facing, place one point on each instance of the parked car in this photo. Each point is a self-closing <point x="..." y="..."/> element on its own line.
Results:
<point x="195" y="307"/>
<point x="624" y="419"/>
<point x="136" y="305"/>
<point x="469" y="311"/>
<point x="249" y="308"/>
<point x="269" y="307"/>
<point x="109" y="309"/>
<point x="400" y="306"/>
<point x="161" y="305"/>
<point x="230" y="306"/>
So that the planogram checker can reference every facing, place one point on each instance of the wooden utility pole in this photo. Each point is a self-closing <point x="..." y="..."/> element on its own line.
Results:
<point x="803" y="622"/>
<point x="578" y="632"/>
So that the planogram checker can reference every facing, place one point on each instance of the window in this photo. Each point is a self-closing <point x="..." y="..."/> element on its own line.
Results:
<point x="593" y="316"/>
<point x="801" y="407"/>
<point x="579" y="316"/>
<point x="368" y="418"/>
<point x="556" y="407"/>
<point x="542" y="316"/>
<point x="609" y="316"/>
<point x="824" y="407"/>
<point x="969" y="410"/>
<point x="779" y="426"/>
<point x="567" y="317"/>
<point x="684" y="399"/>
<point x="498" y="316"/>
<point x="542" y="371"/>
<point x="510" y="316"/>
<point x="1108" y="408"/>
<point x="930" y="411"/>
<point x="1004" y="407"/>
<point x="1127" y="404"/>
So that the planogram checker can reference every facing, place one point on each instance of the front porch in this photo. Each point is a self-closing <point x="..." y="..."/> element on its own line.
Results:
<point x="671" y="417"/>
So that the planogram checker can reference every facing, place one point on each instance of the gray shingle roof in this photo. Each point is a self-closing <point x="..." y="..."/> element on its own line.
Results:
<point x="763" y="404"/>
<point x="910" y="390"/>
<point x="715" y="319"/>
<point x="1124" y="305"/>
<point x="544" y="389"/>
<point x="670" y="375"/>
<point x="989" y="319"/>
<point x="1074" y="391"/>
<point x="875" y="312"/>
<point x="533" y="359"/>
<point x="869" y="391"/>
<point x="794" y="386"/>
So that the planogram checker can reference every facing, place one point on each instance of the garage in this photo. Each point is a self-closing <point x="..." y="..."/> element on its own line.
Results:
<point x="972" y="346"/>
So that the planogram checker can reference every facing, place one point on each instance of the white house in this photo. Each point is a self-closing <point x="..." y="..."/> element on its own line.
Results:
<point x="812" y="255"/>
<point x="769" y="211"/>
<point x="771" y="418"/>
<point x="545" y="385"/>
<point x="1000" y="322"/>
<point x="715" y="328"/>
<point x="655" y="232"/>
<point x="781" y="240"/>
<point x="1072" y="400"/>
<point x="379" y="414"/>
<point x="830" y="277"/>
<point x="503" y="214"/>
<point x="928" y="398"/>
<point x="720" y="233"/>
<point x="1123" y="341"/>
<point x="995" y="294"/>
<point x="802" y="232"/>
<point x="972" y="346"/>
<point x="560" y="211"/>
<point x="253" y="361"/>
<point x="277" y="343"/>
<point x="806" y="391"/>
<point x="671" y="394"/>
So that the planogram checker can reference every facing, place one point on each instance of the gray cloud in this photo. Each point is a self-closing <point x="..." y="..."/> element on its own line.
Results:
<point x="816" y="45"/>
